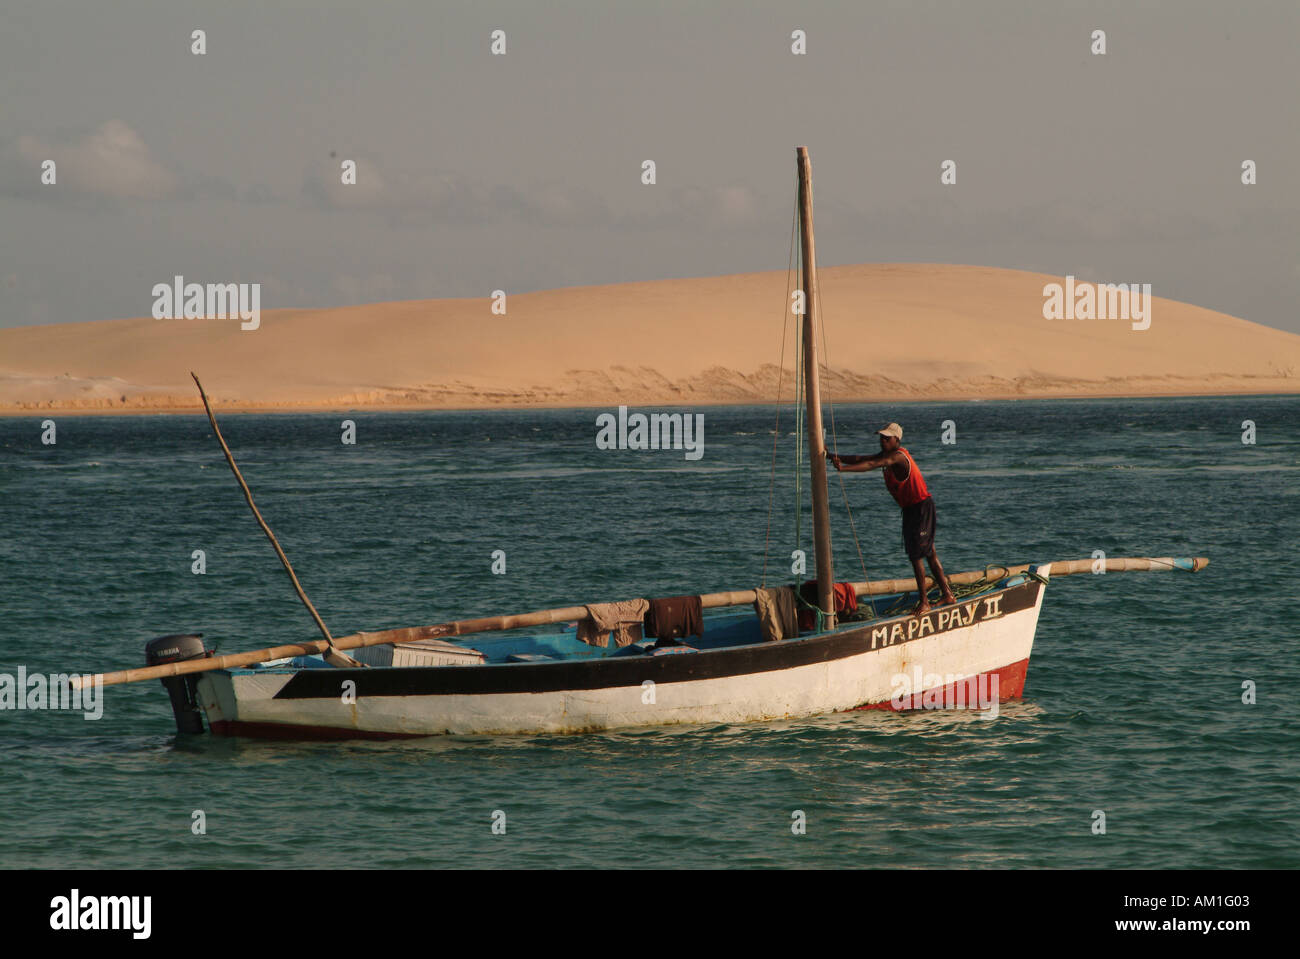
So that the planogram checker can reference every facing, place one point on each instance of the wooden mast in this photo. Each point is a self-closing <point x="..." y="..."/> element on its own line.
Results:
<point x="816" y="445"/>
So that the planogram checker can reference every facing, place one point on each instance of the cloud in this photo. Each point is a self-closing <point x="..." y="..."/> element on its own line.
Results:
<point x="113" y="163"/>
<point x="397" y="195"/>
<point x="110" y="162"/>
<point x="554" y="204"/>
<point x="717" y="208"/>
<point x="430" y="197"/>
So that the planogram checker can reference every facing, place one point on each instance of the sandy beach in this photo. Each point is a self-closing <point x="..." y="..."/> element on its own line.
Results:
<point x="894" y="332"/>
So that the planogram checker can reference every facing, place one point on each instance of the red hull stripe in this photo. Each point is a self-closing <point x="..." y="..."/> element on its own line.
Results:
<point x="970" y="692"/>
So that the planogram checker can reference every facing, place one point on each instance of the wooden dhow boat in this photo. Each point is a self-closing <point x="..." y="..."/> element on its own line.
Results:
<point x="605" y="666"/>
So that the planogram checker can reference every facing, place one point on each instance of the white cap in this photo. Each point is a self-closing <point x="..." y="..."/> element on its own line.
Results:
<point x="893" y="429"/>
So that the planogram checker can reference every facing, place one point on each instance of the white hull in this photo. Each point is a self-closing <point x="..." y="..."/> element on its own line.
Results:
<point x="857" y="667"/>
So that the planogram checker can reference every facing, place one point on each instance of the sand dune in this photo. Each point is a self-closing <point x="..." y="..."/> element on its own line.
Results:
<point x="894" y="331"/>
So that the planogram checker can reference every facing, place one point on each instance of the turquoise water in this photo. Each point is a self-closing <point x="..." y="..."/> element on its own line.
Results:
<point x="1133" y="704"/>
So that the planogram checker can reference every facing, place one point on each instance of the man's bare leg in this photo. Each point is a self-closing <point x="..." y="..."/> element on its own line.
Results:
<point x="924" y="605"/>
<point x="935" y="568"/>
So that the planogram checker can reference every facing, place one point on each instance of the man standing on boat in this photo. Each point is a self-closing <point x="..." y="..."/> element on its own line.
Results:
<point x="904" y="481"/>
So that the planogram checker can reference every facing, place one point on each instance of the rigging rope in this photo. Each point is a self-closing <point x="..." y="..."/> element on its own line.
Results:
<point x="820" y="319"/>
<point x="800" y="389"/>
<point x="780" y="379"/>
<point x="800" y="415"/>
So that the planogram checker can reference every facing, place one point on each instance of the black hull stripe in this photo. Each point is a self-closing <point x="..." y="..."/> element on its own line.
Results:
<point x="623" y="671"/>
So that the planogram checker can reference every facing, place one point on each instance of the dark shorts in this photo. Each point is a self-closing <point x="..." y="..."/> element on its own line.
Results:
<point x="918" y="528"/>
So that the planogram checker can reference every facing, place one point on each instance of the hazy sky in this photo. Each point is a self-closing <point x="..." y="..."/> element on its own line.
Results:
<point x="523" y="171"/>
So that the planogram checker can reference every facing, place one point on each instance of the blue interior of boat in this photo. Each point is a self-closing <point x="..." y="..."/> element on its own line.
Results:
<point x="737" y="626"/>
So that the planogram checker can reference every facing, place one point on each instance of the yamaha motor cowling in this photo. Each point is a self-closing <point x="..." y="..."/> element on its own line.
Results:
<point x="182" y="689"/>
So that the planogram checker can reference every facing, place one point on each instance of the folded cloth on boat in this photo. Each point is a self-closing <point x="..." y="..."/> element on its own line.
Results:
<point x="846" y="601"/>
<point x="622" y="619"/>
<point x="675" y="616"/>
<point x="778" y="612"/>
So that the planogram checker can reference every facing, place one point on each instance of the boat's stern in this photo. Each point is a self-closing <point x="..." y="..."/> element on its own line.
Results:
<point x="244" y="701"/>
<point x="216" y="694"/>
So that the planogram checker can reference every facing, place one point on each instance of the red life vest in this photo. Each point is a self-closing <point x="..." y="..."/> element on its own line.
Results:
<point x="910" y="491"/>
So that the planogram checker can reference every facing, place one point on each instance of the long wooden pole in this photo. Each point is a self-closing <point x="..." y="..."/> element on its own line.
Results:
<point x="331" y="652"/>
<point x="1069" y="567"/>
<point x="812" y="387"/>
<point x="463" y="627"/>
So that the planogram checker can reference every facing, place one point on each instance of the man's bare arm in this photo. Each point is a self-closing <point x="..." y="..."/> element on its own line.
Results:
<point x="862" y="464"/>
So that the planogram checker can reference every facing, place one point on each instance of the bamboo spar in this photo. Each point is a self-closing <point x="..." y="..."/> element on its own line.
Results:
<point x="812" y="387"/>
<point x="564" y="614"/>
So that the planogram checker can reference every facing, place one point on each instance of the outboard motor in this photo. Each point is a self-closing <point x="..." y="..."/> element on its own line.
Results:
<point x="178" y="648"/>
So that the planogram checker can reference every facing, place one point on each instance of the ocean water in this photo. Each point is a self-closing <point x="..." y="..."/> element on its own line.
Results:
<point x="1133" y="706"/>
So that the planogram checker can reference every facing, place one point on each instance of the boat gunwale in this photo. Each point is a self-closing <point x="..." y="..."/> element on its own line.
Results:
<point x="1012" y="582"/>
<point x="604" y="672"/>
